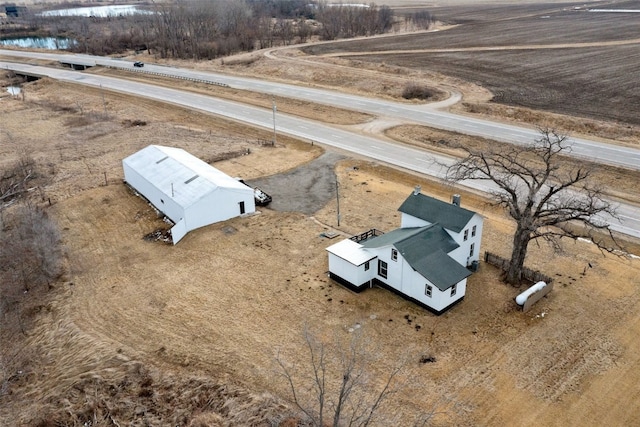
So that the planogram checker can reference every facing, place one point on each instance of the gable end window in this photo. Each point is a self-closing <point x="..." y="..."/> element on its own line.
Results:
<point x="366" y="266"/>
<point x="472" y="249"/>
<point x="428" y="290"/>
<point x="394" y="254"/>
<point x="473" y="231"/>
<point x="453" y="289"/>
<point x="382" y="269"/>
<point x="466" y="234"/>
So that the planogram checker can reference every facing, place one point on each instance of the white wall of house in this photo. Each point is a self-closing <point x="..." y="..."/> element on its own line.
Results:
<point x="354" y="274"/>
<point x="439" y="299"/>
<point x="466" y="239"/>
<point x="408" y="221"/>
<point x="415" y="286"/>
<point x="394" y="268"/>
<point x="402" y="277"/>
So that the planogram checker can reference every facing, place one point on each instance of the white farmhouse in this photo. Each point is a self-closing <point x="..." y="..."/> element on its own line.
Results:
<point x="427" y="260"/>
<point x="190" y="192"/>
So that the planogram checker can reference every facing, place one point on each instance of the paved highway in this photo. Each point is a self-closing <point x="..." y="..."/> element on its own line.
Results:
<point x="384" y="151"/>
<point x="422" y="114"/>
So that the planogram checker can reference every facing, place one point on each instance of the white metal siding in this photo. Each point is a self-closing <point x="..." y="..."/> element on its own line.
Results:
<point x="461" y="254"/>
<point x="184" y="188"/>
<point x="218" y="205"/>
<point x="402" y="277"/>
<point x="162" y="201"/>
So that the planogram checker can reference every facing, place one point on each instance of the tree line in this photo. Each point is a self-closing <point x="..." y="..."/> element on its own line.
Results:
<point x="209" y="30"/>
<point x="30" y="259"/>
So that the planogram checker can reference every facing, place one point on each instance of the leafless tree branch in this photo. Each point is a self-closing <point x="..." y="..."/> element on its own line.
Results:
<point x="546" y="200"/>
<point x="339" y="382"/>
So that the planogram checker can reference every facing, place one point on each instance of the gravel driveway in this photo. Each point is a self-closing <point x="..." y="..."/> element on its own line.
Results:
<point x="305" y="189"/>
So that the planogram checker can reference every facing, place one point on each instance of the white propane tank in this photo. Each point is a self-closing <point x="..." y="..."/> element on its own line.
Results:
<point x="522" y="298"/>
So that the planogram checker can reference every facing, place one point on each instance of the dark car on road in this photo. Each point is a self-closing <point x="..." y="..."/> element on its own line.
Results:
<point x="138" y="64"/>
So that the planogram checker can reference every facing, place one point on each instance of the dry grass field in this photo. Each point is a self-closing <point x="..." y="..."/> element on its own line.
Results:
<point x="143" y="333"/>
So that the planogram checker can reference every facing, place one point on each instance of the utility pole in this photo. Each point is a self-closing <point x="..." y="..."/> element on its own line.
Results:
<point x="104" y="102"/>
<point x="338" y="201"/>
<point x="273" y="104"/>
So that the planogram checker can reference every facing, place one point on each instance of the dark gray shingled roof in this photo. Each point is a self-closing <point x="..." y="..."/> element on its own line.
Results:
<point x="391" y="237"/>
<point x="427" y="208"/>
<point x="425" y="249"/>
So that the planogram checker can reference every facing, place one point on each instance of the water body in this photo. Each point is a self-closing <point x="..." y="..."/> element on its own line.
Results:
<point x="97" y="11"/>
<point x="51" y="43"/>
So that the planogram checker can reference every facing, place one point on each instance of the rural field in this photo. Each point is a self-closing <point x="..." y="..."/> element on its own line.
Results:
<point x="549" y="57"/>
<point x="138" y="332"/>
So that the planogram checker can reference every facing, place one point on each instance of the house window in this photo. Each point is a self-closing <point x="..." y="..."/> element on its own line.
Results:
<point x="428" y="290"/>
<point x="382" y="269"/>
<point x="472" y="249"/>
<point x="394" y="254"/>
<point x="366" y="266"/>
<point x="241" y="207"/>
<point x="473" y="231"/>
<point x="453" y="290"/>
<point x="466" y="234"/>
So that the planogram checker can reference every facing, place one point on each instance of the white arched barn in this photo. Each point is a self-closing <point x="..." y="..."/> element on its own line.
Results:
<point x="190" y="192"/>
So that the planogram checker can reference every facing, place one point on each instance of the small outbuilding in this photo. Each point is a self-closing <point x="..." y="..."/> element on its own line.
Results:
<point x="188" y="191"/>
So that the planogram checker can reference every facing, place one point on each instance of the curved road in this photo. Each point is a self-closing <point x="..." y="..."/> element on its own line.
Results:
<point x="421" y="114"/>
<point x="388" y="152"/>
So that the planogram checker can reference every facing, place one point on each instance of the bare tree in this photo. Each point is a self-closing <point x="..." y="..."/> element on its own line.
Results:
<point x="547" y="199"/>
<point x="342" y="390"/>
<point x="422" y="19"/>
<point x="14" y="180"/>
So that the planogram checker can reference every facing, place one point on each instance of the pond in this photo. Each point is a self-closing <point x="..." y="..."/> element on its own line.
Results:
<point x="97" y="11"/>
<point x="38" y="42"/>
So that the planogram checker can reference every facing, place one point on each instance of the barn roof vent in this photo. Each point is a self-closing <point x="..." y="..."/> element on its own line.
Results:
<point x="456" y="200"/>
<point x="417" y="190"/>
<point x="191" y="179"/>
